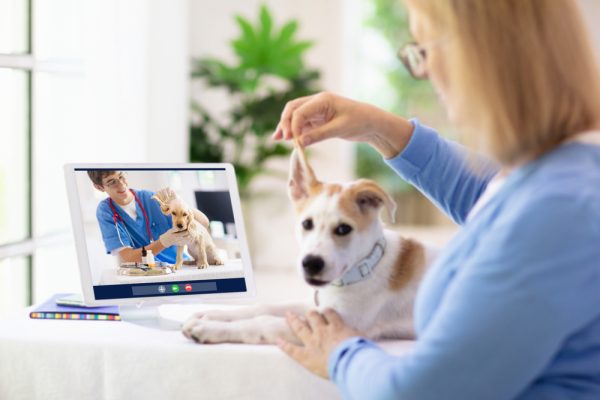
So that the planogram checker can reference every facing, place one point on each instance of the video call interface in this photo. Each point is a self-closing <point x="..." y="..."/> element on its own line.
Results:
<point x="157" y="232"/>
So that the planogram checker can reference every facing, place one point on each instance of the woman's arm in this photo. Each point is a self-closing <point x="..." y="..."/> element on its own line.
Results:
<point x="444" y="171"/>
<point x="437" y="167"/>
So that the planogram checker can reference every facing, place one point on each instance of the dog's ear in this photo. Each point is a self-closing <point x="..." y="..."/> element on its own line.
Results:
<point x="189" y="219"/>
<point x="155" y="197"/>
<point x="164" y="207"/>
<point x="370" y="196"/>
<point x="302" y="182"/>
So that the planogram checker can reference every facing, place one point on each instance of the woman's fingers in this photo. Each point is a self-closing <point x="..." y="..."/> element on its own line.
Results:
<point x="333" y="128"/>
<point x="286" y="116"/>
<point x="292" y="350"/>
<point x="315" y="320"/>
<point x="278" y="134"/>
<point x="332" y="317"/>
<point x="323" y="116"/>
<point x="299" y="327"/>
<point x="318" y="111"/>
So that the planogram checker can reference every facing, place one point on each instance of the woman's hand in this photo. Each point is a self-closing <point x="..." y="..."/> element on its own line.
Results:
<point x="325" y="116"/>
<point x="320" y="334"/>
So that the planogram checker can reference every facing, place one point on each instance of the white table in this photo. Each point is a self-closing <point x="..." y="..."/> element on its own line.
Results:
<point x="63" y="360"/>
<point x="87" y="360"/>
<point x="49" y="359"/>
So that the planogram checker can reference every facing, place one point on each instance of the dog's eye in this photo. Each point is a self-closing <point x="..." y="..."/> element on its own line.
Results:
<point x="185" y="214"/>
<point x="342" y="229"/>
<point x="307" y="224"/>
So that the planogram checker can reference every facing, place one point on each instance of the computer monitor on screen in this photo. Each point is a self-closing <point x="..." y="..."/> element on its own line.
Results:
<point x="116" y="219"/>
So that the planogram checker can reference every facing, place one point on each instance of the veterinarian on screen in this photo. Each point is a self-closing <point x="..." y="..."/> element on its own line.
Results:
<point x="511" y="307"/>
<point x="130" y="219"/>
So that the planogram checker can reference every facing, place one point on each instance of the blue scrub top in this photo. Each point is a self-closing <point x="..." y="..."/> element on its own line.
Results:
<point x="133" y="233"/>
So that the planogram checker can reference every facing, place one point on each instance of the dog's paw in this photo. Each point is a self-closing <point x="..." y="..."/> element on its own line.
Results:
<point x="218" y="261"/>
<point x="202" y="265"/>
<point x="216" y="315"/>
<point x="206" y="331"/>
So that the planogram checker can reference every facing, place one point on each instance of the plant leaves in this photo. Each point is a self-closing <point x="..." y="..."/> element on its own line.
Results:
<point x="263" y="50"/>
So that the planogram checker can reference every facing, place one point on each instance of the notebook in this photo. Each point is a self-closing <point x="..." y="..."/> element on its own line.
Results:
<point x="50" y="310"/>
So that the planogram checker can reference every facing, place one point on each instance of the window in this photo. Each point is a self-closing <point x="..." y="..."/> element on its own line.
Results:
<point x="76" y="79"/>
<point x="41" y="82"/>
<point x="15" y="155"/>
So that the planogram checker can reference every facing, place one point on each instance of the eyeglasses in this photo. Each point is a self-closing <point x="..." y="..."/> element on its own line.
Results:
<point x="111" y="183"/>
<point x="414" y="58"/>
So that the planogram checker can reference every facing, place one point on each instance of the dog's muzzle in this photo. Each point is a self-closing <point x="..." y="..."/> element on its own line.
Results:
<point x="312" y="265"/>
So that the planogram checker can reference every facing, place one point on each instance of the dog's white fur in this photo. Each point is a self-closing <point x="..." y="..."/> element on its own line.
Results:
<point x="201" y="245"/>
<point x="379" y="307"/>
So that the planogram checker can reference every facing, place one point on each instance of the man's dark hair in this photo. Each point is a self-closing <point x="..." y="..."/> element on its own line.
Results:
<point x="97" y="175"/>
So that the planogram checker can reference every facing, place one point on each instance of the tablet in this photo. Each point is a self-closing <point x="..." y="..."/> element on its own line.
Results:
<point x="115" y="215"/>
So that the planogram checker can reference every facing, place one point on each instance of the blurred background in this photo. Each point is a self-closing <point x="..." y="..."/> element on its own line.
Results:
<point x="189" y="80"/>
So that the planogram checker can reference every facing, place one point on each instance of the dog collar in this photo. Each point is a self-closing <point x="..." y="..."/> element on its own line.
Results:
<point x="364" y="269"/>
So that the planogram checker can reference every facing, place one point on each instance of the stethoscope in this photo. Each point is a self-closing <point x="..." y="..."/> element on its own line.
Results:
<point x="117" y="217"/>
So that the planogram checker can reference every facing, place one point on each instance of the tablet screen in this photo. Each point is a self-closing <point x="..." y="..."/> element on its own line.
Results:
<point x="149" y="232"/>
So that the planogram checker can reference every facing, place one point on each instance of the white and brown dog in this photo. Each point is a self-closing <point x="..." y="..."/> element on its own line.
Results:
<point x="201" y="245"/>
<point x="368" y="274"/>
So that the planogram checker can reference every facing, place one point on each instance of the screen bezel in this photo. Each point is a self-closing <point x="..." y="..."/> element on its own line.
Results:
<point x="81" y="244"/>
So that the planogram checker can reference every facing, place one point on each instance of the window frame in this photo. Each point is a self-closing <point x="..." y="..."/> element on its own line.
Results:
<point x="24" y="248"/>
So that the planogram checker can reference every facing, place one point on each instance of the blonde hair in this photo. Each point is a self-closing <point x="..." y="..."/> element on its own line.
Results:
<point x="522" y="73"/>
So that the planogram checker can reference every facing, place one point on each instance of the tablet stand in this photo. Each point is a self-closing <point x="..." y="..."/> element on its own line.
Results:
<point x="147" y="315"/>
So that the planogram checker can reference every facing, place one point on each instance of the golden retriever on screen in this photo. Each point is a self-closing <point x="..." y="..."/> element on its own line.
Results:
<point x="201" y="245"/>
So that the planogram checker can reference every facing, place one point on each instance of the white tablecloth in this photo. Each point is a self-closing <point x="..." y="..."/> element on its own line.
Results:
<point x="48" y="359"/>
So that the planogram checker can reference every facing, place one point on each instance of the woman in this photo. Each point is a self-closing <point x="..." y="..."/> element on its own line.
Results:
<point x="511" y="309"/>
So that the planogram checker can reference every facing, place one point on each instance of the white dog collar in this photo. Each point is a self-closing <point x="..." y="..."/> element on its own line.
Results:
<point x="364" y="268"/>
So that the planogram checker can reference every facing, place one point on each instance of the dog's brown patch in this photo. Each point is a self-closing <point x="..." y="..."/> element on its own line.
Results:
<point x="331" y="189"/>
<point x="349" y="207"/>
<point x="409" y="262"/>
<point x="301" y="205"/>
<point x="315" y="191"/>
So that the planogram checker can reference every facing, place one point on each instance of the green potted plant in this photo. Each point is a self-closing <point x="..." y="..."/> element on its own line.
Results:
<point x="268" y="72"/>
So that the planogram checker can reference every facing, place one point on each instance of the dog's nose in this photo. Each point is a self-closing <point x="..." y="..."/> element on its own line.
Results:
<point x="180" y="226"/>
<point x="312" y="264"/>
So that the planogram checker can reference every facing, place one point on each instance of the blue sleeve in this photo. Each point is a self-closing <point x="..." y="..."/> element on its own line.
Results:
<point x="114" y="237"/>
<point x="443" y="171"/>
<point x="525" y="290"/>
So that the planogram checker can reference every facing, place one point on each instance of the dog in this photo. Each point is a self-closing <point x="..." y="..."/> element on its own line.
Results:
<point x="368" y="274"/>
<point x="201" y="245"/>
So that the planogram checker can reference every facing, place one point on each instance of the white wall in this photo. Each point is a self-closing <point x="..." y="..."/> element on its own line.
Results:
<point x="168" y="82"/>
<point x="115" y="90"/>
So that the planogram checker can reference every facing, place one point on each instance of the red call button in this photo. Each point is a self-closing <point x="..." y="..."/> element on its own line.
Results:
<point x="188" y="287"/>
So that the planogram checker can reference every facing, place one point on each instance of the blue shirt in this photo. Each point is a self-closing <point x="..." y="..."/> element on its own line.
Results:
<point x="134" y="233"/>
<point x="511" y="308"/>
